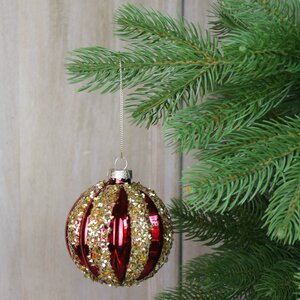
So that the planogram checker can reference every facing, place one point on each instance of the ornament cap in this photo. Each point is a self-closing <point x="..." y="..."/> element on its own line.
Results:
<point x="120" y="174"/>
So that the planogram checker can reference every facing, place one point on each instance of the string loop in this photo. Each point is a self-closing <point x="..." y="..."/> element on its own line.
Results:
<point x="121" y="116"/>
<point x="121" y="110"/>
<point x="118" y="161"/>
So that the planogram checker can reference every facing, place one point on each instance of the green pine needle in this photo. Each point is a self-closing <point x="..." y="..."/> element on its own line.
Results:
<point x="283" y="213"/>
<point x="197" y="126"/>
<point x="249" y="163"/>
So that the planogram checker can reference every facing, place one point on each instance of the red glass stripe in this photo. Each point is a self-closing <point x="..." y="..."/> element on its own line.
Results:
<point x="120" y="237"/>
<point x="83" y="242"/>
<point x="157" y="238"/>
<point x="77" y="249"/>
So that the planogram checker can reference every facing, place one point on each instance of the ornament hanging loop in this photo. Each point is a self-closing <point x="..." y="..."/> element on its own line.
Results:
<point x="121" y="115"/>
<point x="121" y="160"/>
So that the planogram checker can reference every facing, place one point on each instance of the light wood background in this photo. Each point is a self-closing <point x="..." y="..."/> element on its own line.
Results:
<point x="56" y="142"/>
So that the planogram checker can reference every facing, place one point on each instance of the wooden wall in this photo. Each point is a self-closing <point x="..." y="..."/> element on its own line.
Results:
<point x="56" y="142"/>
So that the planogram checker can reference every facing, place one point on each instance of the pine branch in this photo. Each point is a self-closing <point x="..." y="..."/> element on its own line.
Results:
<point x="297" y="282"/>
<point x="170" y="95"/>
<point x="193" y="291"/>
<point x="241" y="226"/>
<point x="171" y="76"/>
<point x="197" y="126"/>
<point x="256" y="160"/>
<point x="278" y="281"/>
<point x="257" y="55"/>
<point x="253" y="138"/>
<point x="255" y="51"/>
<point x="101" y="66"/>
<point x="238" y="15"/>
<point x="176" y="64"/>
<point x="98" y="68"/>
<point x="227" y="20"/>
<point x="284" y="12"/>
<point x="147" y="56"/>
<point x="171" y="79"/>
<point x="283" y="213"/>
<point x="234" y="271"/>
<point x="169" y="83"/>
<point x="200" y="285"/>
<point x="140" y="26"/>
<point x="240" y="274"/>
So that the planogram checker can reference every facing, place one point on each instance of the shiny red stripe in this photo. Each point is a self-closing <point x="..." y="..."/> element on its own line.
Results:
<point x="120" y="236"/>
<point x="157" y="238"/>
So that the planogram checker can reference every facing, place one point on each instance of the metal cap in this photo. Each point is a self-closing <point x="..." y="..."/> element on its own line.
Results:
<point x="120" y="174"/>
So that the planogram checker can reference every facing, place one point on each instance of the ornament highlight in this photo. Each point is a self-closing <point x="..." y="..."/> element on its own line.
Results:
<point x="119" y="233"/>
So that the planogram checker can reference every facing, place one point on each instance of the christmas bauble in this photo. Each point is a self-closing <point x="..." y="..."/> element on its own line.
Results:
<point x="118" y="232"/>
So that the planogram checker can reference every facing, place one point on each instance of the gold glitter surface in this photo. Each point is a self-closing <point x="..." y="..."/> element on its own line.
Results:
<point x="73" y="230"/>
<point x="98" y="232"/>
<point x="167" y="227"/>
<point x="140" y="234"/>
<point x="103" y="197"/>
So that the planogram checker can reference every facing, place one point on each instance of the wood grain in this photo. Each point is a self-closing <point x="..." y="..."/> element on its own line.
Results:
<point x="10" y="222"/>
<point x="69" y="141"/>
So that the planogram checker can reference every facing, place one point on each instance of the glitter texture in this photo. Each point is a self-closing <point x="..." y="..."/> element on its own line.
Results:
<point x="89" y="232"/>
<point x="98" y="232"/>
<point x="140" y="235"/>
<point x="73" y="232"/>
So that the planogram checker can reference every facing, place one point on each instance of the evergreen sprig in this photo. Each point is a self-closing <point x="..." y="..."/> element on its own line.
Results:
<point x="283" y="214"/>
<point x="197" y="126"/>
<point x="243" y="15"/>
<point x="259" y="269"/>
<point x="144" y="26"/>
<point x="259" y="272"/>
<point x="169" y="61"/>
<point x="233" y="228"/>
<point x="246" y="265"/>
<point x="248" y="163"/>
<point x="173" y="59"/>
<point x="171" y="79"/>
